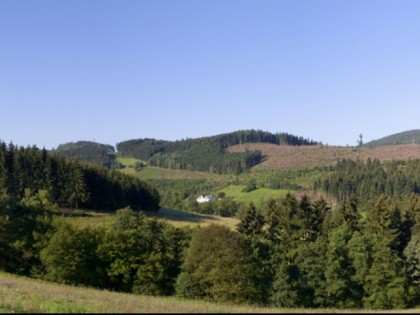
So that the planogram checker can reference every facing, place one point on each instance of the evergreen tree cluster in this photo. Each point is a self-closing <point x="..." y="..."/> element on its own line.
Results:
<point x="314" y="256"/>
<point x="370" y="179"/>
<point x="207" y="158"/>
<point x="70" y="183"/>
<point x="206" y="153"/>
<point x="88" y="151"/>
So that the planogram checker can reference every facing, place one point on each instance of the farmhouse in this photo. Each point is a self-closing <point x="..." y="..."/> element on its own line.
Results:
<point x="205" y="198"/>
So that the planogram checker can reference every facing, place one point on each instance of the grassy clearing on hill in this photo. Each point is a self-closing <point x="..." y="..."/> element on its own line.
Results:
<point x="256" y="196"/>
<point x="163" y="173"/>
<point x="26" y="295"/>
<point x="178" y="218"/>
<point x="128" y="161"/>
<point x="85" y="218"/>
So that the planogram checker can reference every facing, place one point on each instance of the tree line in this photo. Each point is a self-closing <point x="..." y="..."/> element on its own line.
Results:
<point x="70" y="183"/>
<point x="370" y="179"/>
<point x="288" y="252"/>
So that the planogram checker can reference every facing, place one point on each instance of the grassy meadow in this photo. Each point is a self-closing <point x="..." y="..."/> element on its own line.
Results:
<point x="26" y="295"/>
<point x="256" y="196"/>
<point x="178" y="218"/>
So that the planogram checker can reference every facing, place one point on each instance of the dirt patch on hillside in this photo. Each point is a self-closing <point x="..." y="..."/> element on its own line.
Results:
<point x="300" y="157"/>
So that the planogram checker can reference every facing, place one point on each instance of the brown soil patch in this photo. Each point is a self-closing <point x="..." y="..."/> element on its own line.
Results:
<point x="300" y="157"/>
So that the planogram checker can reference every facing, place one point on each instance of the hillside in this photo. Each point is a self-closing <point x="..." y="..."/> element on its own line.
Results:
<point x="146" y="148"/>
<point x="88" y="151"/>
<point x="248" y="149"/>
<point x="406" y="137"/>
<point x="66" y="183"/>
<point x="301" y="157"/>
<point x="206" y="154"/>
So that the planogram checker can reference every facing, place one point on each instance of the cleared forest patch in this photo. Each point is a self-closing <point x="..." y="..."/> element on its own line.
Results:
<point x="308" y="156"/>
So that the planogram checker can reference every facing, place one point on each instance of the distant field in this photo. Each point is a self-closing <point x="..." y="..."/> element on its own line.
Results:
<point x="26" y="295"/>
<point x="128" y="161"/>
<point x="156" y="172"/>
<point x="84" y="218"/>
<point x="300" y="157"/>
<point x="178" y="218"/>
<point x="256" y="196"/>
<point x="186" y="218"/>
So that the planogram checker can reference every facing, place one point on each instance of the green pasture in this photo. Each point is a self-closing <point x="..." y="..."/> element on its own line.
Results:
<point x="128" y="161"/>
<point x="166" y="173"/>
<point x="82" y="219"/>
<point x="256" y="196"/>
<point x="177" y="218"/>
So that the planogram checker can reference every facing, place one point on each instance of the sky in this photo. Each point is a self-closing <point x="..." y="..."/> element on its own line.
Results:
<point x="114" y="70"/>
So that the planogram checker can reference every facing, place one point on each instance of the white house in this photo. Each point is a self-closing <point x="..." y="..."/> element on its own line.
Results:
<point x="205" y="198"/>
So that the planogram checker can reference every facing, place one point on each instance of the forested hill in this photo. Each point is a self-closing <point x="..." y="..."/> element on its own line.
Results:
<point x="88" y="151"/>
<point x="206" y="153"/>
<point x="406" y="137"/>
<point x="28" y="172"/>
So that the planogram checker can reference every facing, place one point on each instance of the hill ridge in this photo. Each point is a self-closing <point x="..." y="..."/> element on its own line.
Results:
<point x="405" y="137"/>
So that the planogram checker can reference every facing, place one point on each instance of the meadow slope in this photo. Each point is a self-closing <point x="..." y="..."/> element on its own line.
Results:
<point x="26" y="295"/>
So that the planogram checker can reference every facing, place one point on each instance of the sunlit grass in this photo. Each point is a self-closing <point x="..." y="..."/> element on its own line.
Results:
<point x="128" y="161"/>
<point x="166" y="173"/>
<point x="26" y="295"/>
<point x="177" y="218"/>
<point x="256" y="196"/>
<point x="180" y="218"/>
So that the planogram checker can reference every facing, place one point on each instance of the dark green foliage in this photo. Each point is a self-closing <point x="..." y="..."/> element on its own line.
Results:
<point x="250" y="186"/>
<point x="218" y="267"/>
<point x="412" y="255"/>
<point x="207" y="158"/>
<point x="22" y="225"/>
<point x="142" y="255"/>
<point x="71" y="256"/>
<point x="137" y="255"/>
<point x="207" y="153"/>
<point x="252" y="222"/>
<point x="291" y="226"/>
<point x="340" y="288"/>
<point x="70" y="183"/>
<point x="88" y="151"/>
<point x="367" y="181"/>
<point x="110" y="190"/>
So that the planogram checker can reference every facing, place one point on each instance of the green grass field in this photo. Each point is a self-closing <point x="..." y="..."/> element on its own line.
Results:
<point x="128" y="161"/>
<point x="156" y="172"/>
<point x="177" y="218"/>
<point x="256" y="196"/>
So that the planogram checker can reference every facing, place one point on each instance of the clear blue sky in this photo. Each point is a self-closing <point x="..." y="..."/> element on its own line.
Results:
<point x="110" y="71"/>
